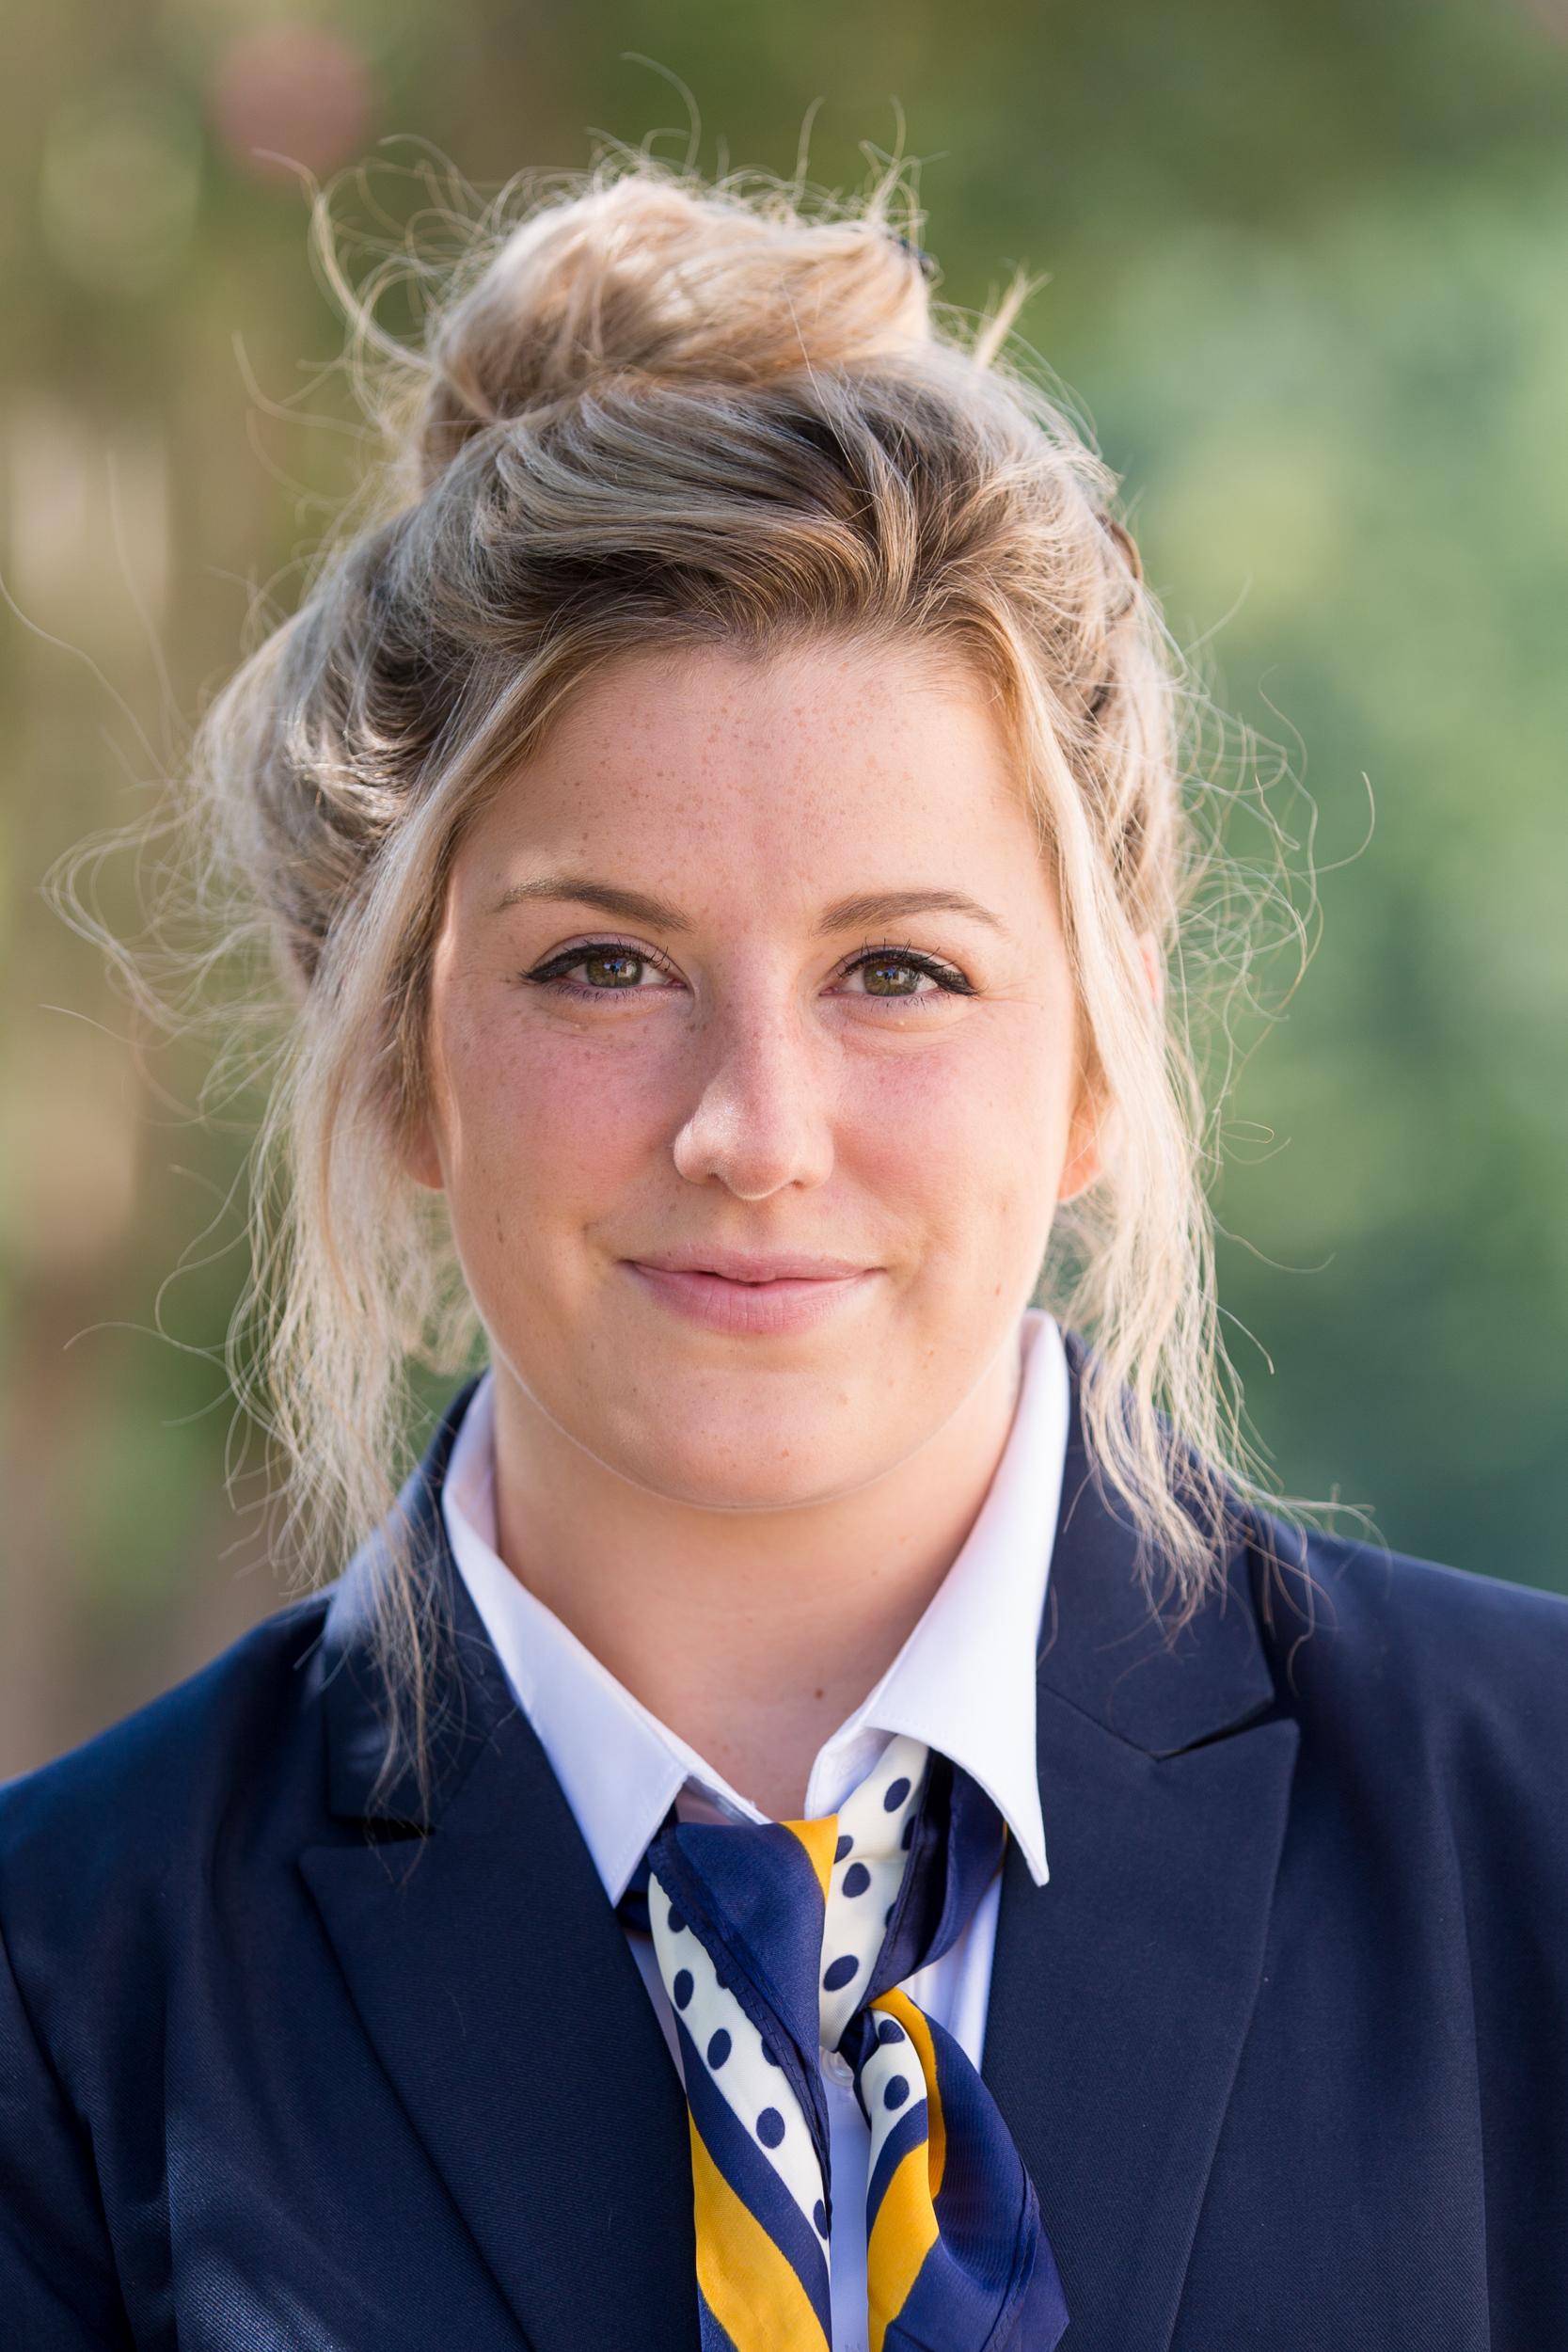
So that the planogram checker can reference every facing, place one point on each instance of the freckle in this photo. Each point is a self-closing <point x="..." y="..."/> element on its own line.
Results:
<point x="816" y="1694"/>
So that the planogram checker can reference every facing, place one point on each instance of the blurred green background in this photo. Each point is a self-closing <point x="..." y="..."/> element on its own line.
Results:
<point x="1308" y="283"/>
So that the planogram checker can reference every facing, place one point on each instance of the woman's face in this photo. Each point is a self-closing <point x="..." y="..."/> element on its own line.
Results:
<point x="754" y="959"/>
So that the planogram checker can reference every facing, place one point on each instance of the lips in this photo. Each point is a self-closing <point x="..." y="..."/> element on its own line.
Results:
<point x="753" y="1303"/>
<point x="753" y="1267"/>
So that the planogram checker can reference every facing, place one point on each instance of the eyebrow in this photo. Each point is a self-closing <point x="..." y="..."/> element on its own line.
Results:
<point x="638" y="906"/>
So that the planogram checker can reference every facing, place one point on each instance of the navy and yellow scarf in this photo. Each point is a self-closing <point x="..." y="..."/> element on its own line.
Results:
<point x="778" y="1940"/>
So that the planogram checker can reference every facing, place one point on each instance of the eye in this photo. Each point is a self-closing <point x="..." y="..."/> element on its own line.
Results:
<point x="605" y="956"/>
<point x="877" y="964"/>
<point x="620" y="966"/>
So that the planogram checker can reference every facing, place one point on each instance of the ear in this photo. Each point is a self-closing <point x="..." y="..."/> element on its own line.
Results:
<point x="420" y="1159"/>
<point x="1083" y="1163"/>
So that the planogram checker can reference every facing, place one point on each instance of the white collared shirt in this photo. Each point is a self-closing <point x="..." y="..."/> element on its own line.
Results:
<point x="963" y="1682"/>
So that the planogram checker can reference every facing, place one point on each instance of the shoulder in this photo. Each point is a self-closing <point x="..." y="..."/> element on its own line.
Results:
<point x="1379" y="1651"/>
<point x="1384" y="1612"/>
<point x="155" y="1796"/>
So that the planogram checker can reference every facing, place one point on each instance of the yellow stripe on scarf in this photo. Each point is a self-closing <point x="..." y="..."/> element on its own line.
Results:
<point x="751" y="2288"/>
<point x="820" y="1840"/>
<point x="913" y="2022"/>
<point x="905" y="2229"/>
<point x="902" y="2235"/>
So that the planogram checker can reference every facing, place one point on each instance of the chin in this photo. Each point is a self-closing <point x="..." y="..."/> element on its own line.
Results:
<point x="746" y="1463"/>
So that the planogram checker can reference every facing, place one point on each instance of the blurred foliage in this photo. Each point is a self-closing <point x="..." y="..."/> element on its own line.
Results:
<point x="1308" y="282"/>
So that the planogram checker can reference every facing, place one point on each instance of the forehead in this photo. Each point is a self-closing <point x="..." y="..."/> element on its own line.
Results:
<point x="716" y="759"/>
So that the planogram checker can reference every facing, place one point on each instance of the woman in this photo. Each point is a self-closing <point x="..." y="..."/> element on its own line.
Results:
<point x="822" y="1814"/>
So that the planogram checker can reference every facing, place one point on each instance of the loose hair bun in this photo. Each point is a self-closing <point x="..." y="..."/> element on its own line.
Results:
<point x="643" y="279"/>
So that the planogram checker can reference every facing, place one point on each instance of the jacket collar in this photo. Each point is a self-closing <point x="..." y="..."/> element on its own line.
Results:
<point x="469" y="1697"/>
<point x="495" y="1986"/>
<point x="1106" y="1651"/>
<point x="1121" y="1994"/>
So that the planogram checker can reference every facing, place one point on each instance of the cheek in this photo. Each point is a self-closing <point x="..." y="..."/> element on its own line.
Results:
<point x="974" y="1130"/>
<point x="536" y="1120"/>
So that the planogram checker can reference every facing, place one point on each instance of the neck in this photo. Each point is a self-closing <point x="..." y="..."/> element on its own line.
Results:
<point x="753" y="1643"/>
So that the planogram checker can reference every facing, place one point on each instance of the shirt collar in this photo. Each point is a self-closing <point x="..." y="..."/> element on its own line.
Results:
<point x="963" y="1681"/>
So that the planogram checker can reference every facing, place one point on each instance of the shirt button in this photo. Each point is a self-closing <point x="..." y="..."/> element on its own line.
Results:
<point x="837" y="2067"/>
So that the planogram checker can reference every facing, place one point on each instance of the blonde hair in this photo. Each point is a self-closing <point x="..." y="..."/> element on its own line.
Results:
<point x="651" y="410"/>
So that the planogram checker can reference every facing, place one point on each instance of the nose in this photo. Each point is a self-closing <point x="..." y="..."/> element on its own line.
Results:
<point x="762" y="1113"/>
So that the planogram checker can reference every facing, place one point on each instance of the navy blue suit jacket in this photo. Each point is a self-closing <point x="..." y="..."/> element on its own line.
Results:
<point x="1283" y="2042"/>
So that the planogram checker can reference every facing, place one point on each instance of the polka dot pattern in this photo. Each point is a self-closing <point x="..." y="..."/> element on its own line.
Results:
<point x="892" y="2082"/>
<point x="865" y="1877"/>
<point x="725" y="2038"/>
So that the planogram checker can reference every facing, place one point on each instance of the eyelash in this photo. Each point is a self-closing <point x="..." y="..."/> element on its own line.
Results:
<point x="950" y="980"/>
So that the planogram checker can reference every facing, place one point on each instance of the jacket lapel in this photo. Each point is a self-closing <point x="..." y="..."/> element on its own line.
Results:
<point x="495" y="1985"/>
<point x="1123" y="1989"/>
